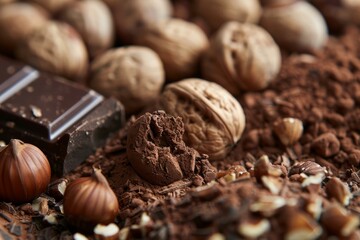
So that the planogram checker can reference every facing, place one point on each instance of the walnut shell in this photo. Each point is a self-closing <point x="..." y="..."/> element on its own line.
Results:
<point x="179" y="44"/>
<point x="132" y="15"/>
<point x="53" y="6"/>
<point x="231" y="10"/>
<point x="56" y="48"/>
<point x="241" y="57"/>
<point x="214" y="120"/>
<point x="134" y="75"/>
<point x="296" y="27"/>
<point x="93" y="21"/>
<point x="17" y="20"/>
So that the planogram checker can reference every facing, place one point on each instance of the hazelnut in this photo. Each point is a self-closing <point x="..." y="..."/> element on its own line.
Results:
<point x="56" y="48"/>
<point x="25" y="172"/>
<point x="17" y="20"/>
<point x="254" y="228"/>
<point x="214" y="120"/>
<point x="289" y="130"/>
<point x="132" y="15"/>
<point x="297" y="26"/>
<point x="89" y="201"/>
<point x="93" y="21"/>
<point x="134" y="75"/>
<point x="338" y="190"/>
<point x="217" y="12"/>
<point x="241" y="57"/>
<point x="179" y="44"/>
<point x="106" y="232"/>
<point x="53" y="6"/>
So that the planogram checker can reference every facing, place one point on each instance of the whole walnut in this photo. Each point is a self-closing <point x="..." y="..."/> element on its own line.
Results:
<point x="297" y="26"/>
<point x="17" y="20"/>
<point x="132" y="15"/>
<point x="241" y="56"/>
<point x="134" y="75"/>
<point x="217" y="12"/>
<point x="53" y="6"/>
<point x="93" y="21"/>
<point x="56" y="48"/>
<point x="180" y="45"/>
<point x="214" y="120"/>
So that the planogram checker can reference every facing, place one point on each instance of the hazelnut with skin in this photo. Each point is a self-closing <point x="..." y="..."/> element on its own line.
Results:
<point x="56" y="48"/>
<point x="134" y="75"/>
<point x="17" y="20"/>
<point x="214" y="120"/>
<point x="179" y="45"/>
<point x="241" y="56"/>
<point x="93" y="21"/>
<point x="296" y="26"/>
<point x="132" y="15"/>
<point x="217" y="12"/>
<point x="53" y="6"/>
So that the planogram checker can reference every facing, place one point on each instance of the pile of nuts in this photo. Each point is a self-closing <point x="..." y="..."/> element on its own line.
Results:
<point x="142" y="53"/>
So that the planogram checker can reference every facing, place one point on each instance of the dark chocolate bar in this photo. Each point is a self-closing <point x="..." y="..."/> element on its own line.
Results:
<point x="66" y="120"/>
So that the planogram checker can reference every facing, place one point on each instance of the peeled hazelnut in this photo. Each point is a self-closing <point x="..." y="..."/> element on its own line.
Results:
<point x="132" y="15"/>
<point x="241" y="57"/>
<point x="53" y="6"/>
<point x="214" y="120"/>
<point x="56" y="48"/>
<point x="289" y="130"/>
<point x="217" y="12"/>
<point x="179" y="44"/>
<point x="296" y="26"/>
<point x="93" y="21"/>
<point x="25" y="172"/>
<point x="89" y="201"/>
<point x="134" y="75"/>
<point x="17" y="20"/>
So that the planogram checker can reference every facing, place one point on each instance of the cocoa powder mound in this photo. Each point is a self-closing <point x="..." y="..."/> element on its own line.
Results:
<point x="322" y="90"/>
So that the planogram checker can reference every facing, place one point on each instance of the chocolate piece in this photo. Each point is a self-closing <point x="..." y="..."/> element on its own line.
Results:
<point x="64" y="119"/>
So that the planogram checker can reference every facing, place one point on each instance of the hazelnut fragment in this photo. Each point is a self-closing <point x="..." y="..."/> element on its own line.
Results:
<point x="134" y="75"/>
<point x="93" y="21"/>
<point x="131" y="16"/>
<point x="56" y="48"/>
<point x="106" y="232"/>
<point x="289" y="130"/>
<point x="214" y="120"/>
<point x="338" y="190"/>
<point x="267" y="205"/>
<point x="179" y="44"/>
<point x="231" y="10"/>
<point x="309" y="168"/>
<point x="254" y="228"/>
<point x="17" y="20"/>
<point x="336" y="220"/>
<point x="53" y="6"/>
<point x="296" y="26"/>
<point x="241" y="57"/>
<point x="263" y="167"/>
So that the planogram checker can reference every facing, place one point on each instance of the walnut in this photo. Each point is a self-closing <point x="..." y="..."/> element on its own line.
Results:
<point x="56" y="48"/>
<point x="241" y="57"/>
<point x="214" y="120"/>
<point x="134" y="75"/>
<point x="17" y="20"/>
<point x="296" y="26"/>
<point x="179" y="44"/>
<point x="53" y="6"/>
<point x="231" y="10"/>
<point x="132" y="15"/>
<point x="93" y="21"/>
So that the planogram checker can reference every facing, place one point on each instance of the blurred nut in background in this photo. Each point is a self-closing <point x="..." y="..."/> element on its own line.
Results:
<point x="134" y="75"/>
<point x="241" y="56"/>
<point x="56" y="48"/>
<point x="17" y="20"/>
<point x="93" y="21"/>
<point x="180" y="45"/>
<point x="3" y="2"/>
<point x="132" y="15"/>
<point x="53" y="6"/>
<point x="214" y="120"/>
<point x="296" y="26"/>
<point x="217" y="12"/>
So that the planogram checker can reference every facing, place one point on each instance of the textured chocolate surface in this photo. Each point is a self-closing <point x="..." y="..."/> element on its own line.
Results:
<point x="66" y="120"/>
